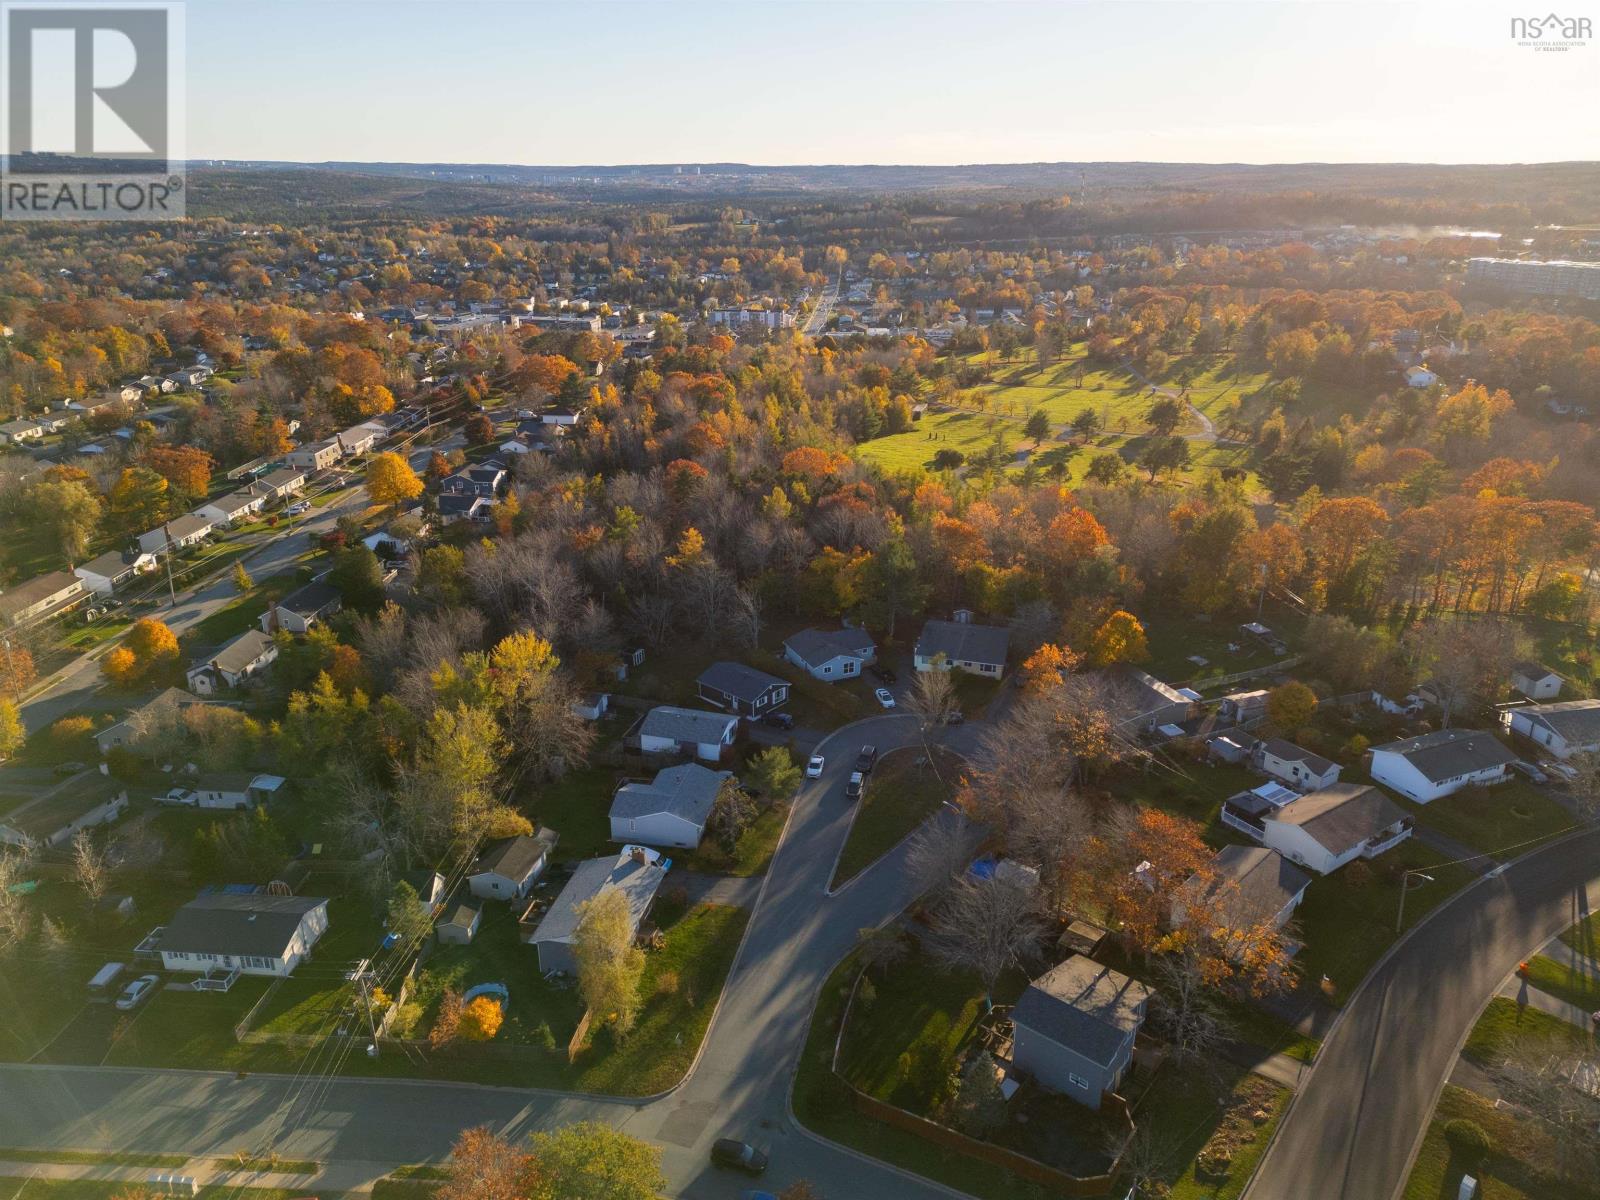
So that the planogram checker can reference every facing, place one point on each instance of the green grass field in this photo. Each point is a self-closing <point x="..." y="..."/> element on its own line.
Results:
<point x="900" y="795"/>
<point x="1503" y="1023"/>
<point x="1519" y="1165"/>
<point x="1504" y="821"/>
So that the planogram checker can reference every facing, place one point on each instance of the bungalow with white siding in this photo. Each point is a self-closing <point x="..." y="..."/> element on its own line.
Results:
<point x="1438" y="764"/>
<point x="250" y="934"/>
<point x="1327" y="829"/>
<point x="636" y="873"/>
<point x="315" y="456"/>
<point x="1536" y="681"/>
<point x="178" y="533"/>
<point x="301" y="609"/>
<point x="1564" y="729"/>
<point x="667" y="729"/>
<point x="275" y="485"/>
<point x="80" y="803"/>
<point x="105" y="573"/>
<point x="671" y="810"/>
<point x="239" y="660"/>
<point x="47" y="595"/>
<point x="830" y="654"/>
<point x="962" y="646"/>
<point x="23" y="429"/>
<point x="358" y="439"/>
<point x="1298" y="768"/>
<point x="235" y="506"/>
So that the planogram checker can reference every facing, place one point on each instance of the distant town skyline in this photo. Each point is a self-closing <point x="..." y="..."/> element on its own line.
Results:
<point x="826" y="82"/>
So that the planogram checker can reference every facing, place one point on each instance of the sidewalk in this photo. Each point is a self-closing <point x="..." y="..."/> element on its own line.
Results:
<point x="348" y="1177"/>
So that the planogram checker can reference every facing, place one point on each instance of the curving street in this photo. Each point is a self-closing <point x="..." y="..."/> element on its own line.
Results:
<point x="1358" y="1119"/>
<point x="739" y="1086"/>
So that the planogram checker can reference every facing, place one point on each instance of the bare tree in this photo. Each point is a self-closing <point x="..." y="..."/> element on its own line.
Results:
<point x="881" y="948"/>
<point x="985" y="926"/>
<point x="931" y="699"/>
<point x="89" y="869"/>
<point x="1545" y="1077"/>
<point x="13" y="909"/>
<point x="938" y="852"/>
<point x="1584" y="786"/>
<point x="1186" y="1012"/>
<point x="1466" y="660"/>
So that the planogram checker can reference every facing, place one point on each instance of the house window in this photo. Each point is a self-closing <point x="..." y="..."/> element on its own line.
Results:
<point x="1081" y="1084"/>
<point x="850" y="667"/>
<point x="829" y="670"/>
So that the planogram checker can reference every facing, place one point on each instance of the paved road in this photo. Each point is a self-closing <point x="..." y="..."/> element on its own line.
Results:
<point x="740" y="1086"/>
<point x="1354" y="1128"/>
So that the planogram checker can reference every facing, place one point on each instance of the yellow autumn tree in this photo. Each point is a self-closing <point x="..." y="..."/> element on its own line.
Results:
<point x="480" y="1019"/>
<point x="1120" y="639"/>
<point x="390" y="480"/>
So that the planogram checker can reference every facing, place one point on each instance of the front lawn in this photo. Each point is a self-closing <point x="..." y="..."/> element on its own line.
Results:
<point x="1584" y="937"/>
<point x="239" y="615"/>
<point x="1503" y="821"/>
<point x="751" y="853"/>
<point x="1575" y="985"/>
<point x="903" y="791"/>
<point x="1518" y="1167"/>
<point x="1233" y="1118"/>
<point x="1504" y="1022"/>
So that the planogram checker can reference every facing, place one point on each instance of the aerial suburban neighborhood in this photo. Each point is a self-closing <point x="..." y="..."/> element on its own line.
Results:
<point x="1076" y="676"/>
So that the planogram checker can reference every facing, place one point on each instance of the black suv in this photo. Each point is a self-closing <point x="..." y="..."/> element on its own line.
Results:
<point x="778" y="720"/>
<point x="882" y="674"/>
<point x="741" y="1156"/>
<point x="866" y="759"/>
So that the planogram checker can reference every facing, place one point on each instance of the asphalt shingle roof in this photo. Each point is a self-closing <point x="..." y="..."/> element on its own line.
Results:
<point x="242" y="651"/>
<point x="227" y="923"/>
<point x="1289" y="752"/>
<point x="687" y="791"/>
<point x="959" y="641"/>
<point x="1341" y="816"/>
<point x="1578" y="721"/>
<point x="685" y="724"/>
<point x="739" y="681"/>
<point x="817" y="646"/>
<point x="1087" y="1007"/>
<point x="638" y="881"/>
<point x="1450" y="753"/>
<point x="513" y="858"/>
<point x="1262" y="882"/>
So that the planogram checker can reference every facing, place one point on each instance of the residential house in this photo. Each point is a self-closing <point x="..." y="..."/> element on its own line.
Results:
<point x="235" y="789"/>
<point x="152" y="714"/>
<point x="43" y="596"/>
<point x="963" y="646"/>
<point x="667" y="729"/>
<point x="1562" y="729"/>
<point x="1298" y="768"/>
<point x="1230" y="747"/>
<point x="484" y="479"/>
<point x="358" y="439"/>
<point x="301" y="609"/>
<point x="561" y="415"/>
<point x="255" y="933"/>
<point x="105" y="573"/>
<point x="509" y="868"/>
<point x="1439" y="764"/>
<point x="1142" y="702"/>
<point x="1536" y="681"/>
<point x="1420" y="377"/>
<point x="237" y="661"/>
<point x="1245" y="886"/>
<point x="191" y="377"/>
<point x="315" y="456"/>
<point x="1324" y="830"/>
<point x="1240" y="707"/>
<point x="235" y="506"/>
<point x="1074" y="1028"/>
<point x="742" y="689"/>
<point x="80" y="803"/>
<point x="276" y="485"/>
<point x="636" y="873"/>
<point x="23" y="429"/>
<point x="465" y="508"/>
<point x="671" y="810"/>
<point x="459" y="924"/>
<point x="177" y="534"/>
<point x="830" y="654"/>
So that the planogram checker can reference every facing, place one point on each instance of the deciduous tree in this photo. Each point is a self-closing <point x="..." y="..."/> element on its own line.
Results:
<point x="391" y="481"/>
<point x="610" y="966"/>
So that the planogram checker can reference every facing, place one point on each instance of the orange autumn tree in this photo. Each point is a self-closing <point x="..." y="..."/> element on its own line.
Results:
<point x="1045" y="667"/>
<point x="481" y="1019"/>
<point x="485" y="1166"/>
<point x="1120" y="639"/>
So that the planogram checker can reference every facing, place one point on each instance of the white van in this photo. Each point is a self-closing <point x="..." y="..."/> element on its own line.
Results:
<point x="103" y="986"/>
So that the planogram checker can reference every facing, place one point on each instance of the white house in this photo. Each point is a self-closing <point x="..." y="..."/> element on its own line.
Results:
<point x="235" y="506"/>
<point x="303" y="608"/>
<point x="1564" y="729"/>
<point x="245" y="656"/>
<point x="252" y="934"/>
<point x="1325" y="830"/>
<point x="275" y="485"/>
<point x="1437" y="764"/>
<point x="667" y="729"/>
<point x="1240" y="707"/>
<point x="315" y="456"/>
<point x="1420" y="377"/>
<point x="358" y="439"/>
<point x="671" y="810"/>
<point x="960" y="645"/>
<point x="509" y="868"/>
<point x="42" y="596"/>
<point x="181" y="532"/>
<point x="105" y="573"/>
<point x="235" y="789"/>
<point x="1298" y="768"/>
<point x="636" y="872"/>
<point x="21" y="430"/>
<point x="1536" y="681"/>
<point x="78" y="804"/>
<point x="830" y="654"/>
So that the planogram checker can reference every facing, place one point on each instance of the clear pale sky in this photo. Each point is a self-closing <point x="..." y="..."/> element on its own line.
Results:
<point x="913" y="81"/>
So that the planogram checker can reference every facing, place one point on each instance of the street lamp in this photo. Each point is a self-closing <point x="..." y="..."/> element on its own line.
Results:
<point x="1405" y="886"/>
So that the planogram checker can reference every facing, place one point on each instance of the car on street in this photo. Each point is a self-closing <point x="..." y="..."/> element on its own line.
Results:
<point x="866" y="759"/>
<point x="854" y="785"/>
<point x="778" y="720"/>
<point x="1531" y="772"/>
<point x="885" y="698"/>
<point x="740" y="1156"/>
<point x="294" y="510"/>
<point x="137" y="992"/>
<point x="814" y="766"/>
<point x="882" y="674"/>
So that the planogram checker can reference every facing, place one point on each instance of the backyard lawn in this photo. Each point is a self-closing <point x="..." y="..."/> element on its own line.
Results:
<point x="577" y="806"/>
<point x="903" y="791"/>
<point x="244" y="613"/>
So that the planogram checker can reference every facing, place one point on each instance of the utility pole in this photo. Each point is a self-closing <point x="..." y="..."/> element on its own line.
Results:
<point x="172" y="589"/>
<point x="1261" y="603"/>
<point x="1405" y="886"/>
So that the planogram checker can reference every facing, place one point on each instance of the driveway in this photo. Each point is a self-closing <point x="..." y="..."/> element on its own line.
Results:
<point x="1355" y="1126"/>
<point x="739" y="1086"/>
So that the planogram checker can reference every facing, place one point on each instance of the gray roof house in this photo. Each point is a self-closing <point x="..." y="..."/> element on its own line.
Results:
<point x="105" y="573"/>
<point x="42" y="596"/>
<point x="1141" y="701"/>
<point x="1291" y="764"/>
<point x="1438" y="764"/>
<point x="667" y="729"/>
<point x="1564" y="729"/>
<point x="670" y="810"/>
<point x="153" y="713"/>
<point x="247" y="655"/>
<point x="1074" y="1028"/>
<point x="300" y="610"/>
<point x="742" y="689"/>
<point x="77" y="804"/>
<point x="636" y="873"/>
<point x="1326" y="829"/>
<point x="509" y="868"/>
<point x="252" y="934"/>
<point x="976" y="649"/>
<point x="176" y="534"/>
<point x="1247" y="884"/>
<point x="830" y="654"/>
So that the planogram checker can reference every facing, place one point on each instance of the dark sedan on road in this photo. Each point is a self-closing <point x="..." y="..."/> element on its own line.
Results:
<point x="740" y="1156"/>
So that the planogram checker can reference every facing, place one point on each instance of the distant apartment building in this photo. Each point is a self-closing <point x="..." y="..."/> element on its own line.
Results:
<point x="738" y="318"/>
<point x="1554" y="278"/>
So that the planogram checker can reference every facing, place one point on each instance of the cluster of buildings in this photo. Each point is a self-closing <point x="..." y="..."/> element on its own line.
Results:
<point x="1530" y="277"/>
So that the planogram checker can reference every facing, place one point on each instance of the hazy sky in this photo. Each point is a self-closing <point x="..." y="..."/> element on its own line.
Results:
<point x="912" y="81"/>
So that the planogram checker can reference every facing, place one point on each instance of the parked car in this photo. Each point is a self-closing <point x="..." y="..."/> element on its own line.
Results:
<point x="853" y="786"/>
<point x="866" y="759"/>
<point x="294" y="510"/>
<point x="180" y="797"/>
<point x="741" y="1156"/>
<point x="779" y="720"/>
<point x="882" y="674"/>
<point x="137" y="992"/>
<point x="1530" y="771"/>
<point x="885" y="698"/>
<point x="1561" y="769"/>
<point x="814" y="766"/>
